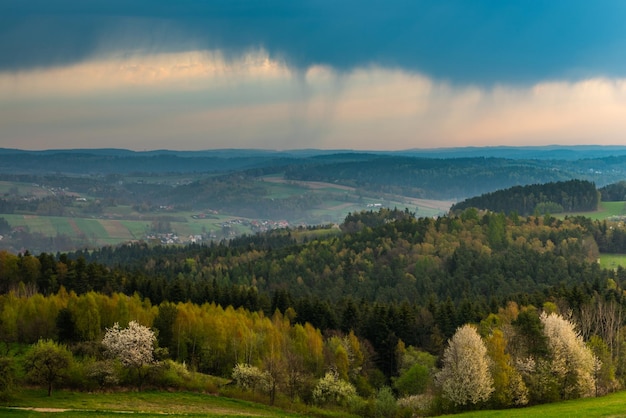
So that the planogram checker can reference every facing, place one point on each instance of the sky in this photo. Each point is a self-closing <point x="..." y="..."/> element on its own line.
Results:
<point x="363" y="75"/>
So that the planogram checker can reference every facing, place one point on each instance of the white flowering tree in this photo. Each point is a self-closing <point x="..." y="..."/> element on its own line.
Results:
<point x="572" y="361"/>
<point x="132" y="346"/>
<point x="465" y="377"/>
<point x="332" y="389"/>
<point x="249" y="377"/>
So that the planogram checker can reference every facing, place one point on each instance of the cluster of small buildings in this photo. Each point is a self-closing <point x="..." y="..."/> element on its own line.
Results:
<point x="171" y="238"/>
<point x="267" y="225"/>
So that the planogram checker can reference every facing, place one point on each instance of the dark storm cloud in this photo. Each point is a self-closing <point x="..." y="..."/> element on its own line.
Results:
<point x="461" y="41"/>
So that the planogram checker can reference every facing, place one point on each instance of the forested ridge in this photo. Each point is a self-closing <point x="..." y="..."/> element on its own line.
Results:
<point x="444" y="174"/>
<point x="615" y="192"/>
<point x="380" y="256"/>
<point x="382" y="289"/>
<point x="426" y="177"/>
<point x="554" y="197"/>
<point x="451" y="178"/>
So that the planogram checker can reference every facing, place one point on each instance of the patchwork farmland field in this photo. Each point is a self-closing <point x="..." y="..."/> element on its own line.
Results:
<point x="118" y="223"/>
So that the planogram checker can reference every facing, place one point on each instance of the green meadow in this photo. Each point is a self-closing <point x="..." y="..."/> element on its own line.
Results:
<point x="605" y="211"/>
<point x="35" y="403"/>
<point x="613" y="405"/>
<point x="612" y="261"/>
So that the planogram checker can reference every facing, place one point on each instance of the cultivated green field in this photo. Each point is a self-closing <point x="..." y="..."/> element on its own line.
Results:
<point x="122" y="223"/>
<point x="9" y="187"/>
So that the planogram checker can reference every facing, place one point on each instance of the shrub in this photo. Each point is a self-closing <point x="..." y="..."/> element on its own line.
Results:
<point x="413" y="381"/>
<point x="385" y="403"/>
<point x="7" y="377"/>
<point x="417" y="405"/>
<point x="331" y="389"/>
<point x="76" y="376"/>
<point x="170" y="374"/>
<point x="249" y="377"/>
<point x="103" y="373"/>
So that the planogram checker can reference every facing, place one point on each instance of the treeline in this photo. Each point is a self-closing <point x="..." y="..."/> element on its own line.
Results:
<point x="615" y="192"/>
<point x="399" y="259"/>
<point x="375" y="304"/>
<point x="530" y="353"/>
<point x="610" y="236"/>
<point x="422" y="277"/>
<point x="385" y="256"/>
<point x="554" y="197"/>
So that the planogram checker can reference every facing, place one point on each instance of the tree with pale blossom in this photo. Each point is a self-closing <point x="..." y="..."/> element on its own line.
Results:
<point x="572" y="361"/>
<point x="250" y="377"/>
<point x="132" y="346"/>
<point x="332" y="389"/>
<point x="465" y="377"/>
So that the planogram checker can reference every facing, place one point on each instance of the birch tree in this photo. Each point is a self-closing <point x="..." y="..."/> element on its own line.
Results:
<point x="509" y="388"/>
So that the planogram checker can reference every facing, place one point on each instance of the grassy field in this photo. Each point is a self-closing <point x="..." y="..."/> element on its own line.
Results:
<point x="613" y="405"/>
<point x="23" y="189"/>
<point x="613" y="208"/>
<point x="612" y="261"/>
<point x="606" y="210"/>
<point x="35" y="403"/>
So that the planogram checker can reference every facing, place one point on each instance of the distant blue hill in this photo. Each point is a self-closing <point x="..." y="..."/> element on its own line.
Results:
<point x="547" y="152"/>
<point x="444" y="173"/>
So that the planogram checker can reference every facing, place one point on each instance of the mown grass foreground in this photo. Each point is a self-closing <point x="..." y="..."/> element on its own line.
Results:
<point x="185" y="404"/>
<point x="35" y="403"/>
<point x="613" y="405"/>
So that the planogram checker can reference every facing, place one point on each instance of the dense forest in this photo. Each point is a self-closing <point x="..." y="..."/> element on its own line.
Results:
<point x="392" y="283"/>
<point x="381" y="256"/>
<point x="615" y="192"/>
<point x="558" y="197"/>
